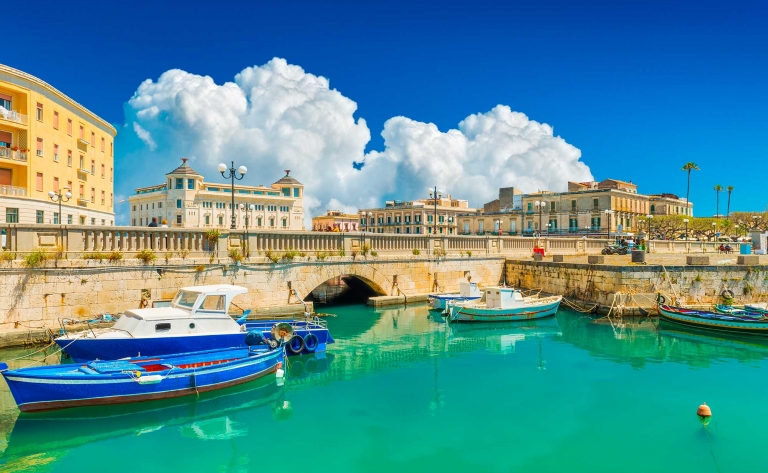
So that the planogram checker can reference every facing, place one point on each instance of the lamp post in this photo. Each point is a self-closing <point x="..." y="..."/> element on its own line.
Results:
<point x="649" y="217"/>
<point x="233" y="175"/>
<point x="450" y="225"/>
<point x="714" y="230"/>
<point x="548" y="225"/>
<point x="435" y="194"/>
<point x="608" y="213"/>
<point x="685" y="221"/>
<point x="736" y="229"/>
<point x="59" y="197"/>
<point x="248" y="209"/>
<point x="540" y="205"/>
<point x="754" y="221"/>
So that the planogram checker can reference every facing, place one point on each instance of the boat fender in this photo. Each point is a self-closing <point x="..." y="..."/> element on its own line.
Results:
<point x="311" y="342"/>
<point x="151" y="379"/>
<point x="296" y="344"/>
<point x="727" y="294"/>
<point x="273" y="343"/>
<point x="661" y="299"/>
<point x="280" y="373"/>
<point x="704" y="413"/>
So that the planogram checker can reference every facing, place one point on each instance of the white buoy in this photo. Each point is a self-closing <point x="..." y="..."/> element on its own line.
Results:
<point x="280" y="373"/>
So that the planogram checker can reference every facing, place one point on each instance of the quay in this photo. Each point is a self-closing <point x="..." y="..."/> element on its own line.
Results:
<point x="54" y="273"/>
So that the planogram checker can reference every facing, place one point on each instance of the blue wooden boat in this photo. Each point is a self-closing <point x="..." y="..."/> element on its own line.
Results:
<point x="468" y="291"/>
<point x="713" y="321"/>
<point x="503" y="304"/>
<point x="197" y="319"/>
<point x="736" y="310"/>
<point x="137" y="379"/>
<point x="759" y="307"/>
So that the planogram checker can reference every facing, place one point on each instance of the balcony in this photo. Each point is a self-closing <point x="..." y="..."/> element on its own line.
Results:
<point x="8" y="153"/>
<point x="13" y="117"/>
<point x="82" y="174"/>
<point x="13" y="191"/>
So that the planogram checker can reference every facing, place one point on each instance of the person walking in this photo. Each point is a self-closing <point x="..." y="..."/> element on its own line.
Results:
<point x="164" y="224"/>
<point x="153" y="223"/>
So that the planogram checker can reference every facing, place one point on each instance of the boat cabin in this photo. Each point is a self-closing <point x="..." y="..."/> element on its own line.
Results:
<point x="194" y="310"/>
<point x="469" y="289"/>
<point x="503" y="298"/>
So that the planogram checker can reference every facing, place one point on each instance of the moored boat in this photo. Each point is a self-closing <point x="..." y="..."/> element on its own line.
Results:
<point x="197" y="319"/>
<point x="706" y="320"/>
<point x="759" y="307"/>
<point x="736" y="310"/>
<point x="136" y="379"/>
<point x="503" y="304"/>
<point x="468" y="291"/>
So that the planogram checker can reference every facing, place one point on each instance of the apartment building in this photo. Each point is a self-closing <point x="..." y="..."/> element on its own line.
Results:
<point x="436" y="215"/>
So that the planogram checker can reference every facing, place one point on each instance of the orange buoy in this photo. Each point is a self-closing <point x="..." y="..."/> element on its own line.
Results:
<point x="704" y="413"/>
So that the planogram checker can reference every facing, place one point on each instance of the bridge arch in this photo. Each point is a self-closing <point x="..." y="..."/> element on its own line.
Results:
<point x="378" y="282"/>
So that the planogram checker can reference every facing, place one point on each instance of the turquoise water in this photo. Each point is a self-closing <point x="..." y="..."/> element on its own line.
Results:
<point x="400" y="391"/>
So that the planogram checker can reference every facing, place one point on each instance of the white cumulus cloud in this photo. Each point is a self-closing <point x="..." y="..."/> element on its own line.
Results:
<point x="278" y="116"/>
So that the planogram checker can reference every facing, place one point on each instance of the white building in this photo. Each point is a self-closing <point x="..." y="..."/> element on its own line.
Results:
<point x="186" y="200"/>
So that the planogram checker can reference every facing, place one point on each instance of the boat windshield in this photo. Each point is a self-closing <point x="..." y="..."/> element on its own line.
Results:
<point x="185" y="299"/>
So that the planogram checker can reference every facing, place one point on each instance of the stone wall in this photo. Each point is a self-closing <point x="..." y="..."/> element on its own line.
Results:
<point x="598" y="283"/>
<point x="39" y="297"/>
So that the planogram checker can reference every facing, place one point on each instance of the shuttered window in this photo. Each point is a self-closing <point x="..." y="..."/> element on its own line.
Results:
<point x="39" y="182"/>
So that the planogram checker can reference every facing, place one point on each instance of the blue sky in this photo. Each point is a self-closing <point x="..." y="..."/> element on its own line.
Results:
<point x="639" y="89"/>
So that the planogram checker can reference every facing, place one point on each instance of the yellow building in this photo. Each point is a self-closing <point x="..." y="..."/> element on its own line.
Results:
<point x="50" y="143"/>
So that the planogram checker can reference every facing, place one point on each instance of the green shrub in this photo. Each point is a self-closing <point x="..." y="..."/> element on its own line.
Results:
<point x="272" y="256"/>
<point x="146" y="256"/>
<point x="469" y="254"/>
<point x="98" y="256"/>
<point x="374" y="253"/>
<point x="342" y="252"/>
<point x="213" y="235"/>
<point x="183" y="254"/>
<point x="320" y="255"/>
<point x="365" y="249"/>
<point x="416" y="251"/>
<point x="7" y="256"/>
<point x="235" y="255"/>
<point x="115" y="256"/>
<point x="289" y="255"/>
<point x="36" y="258"/>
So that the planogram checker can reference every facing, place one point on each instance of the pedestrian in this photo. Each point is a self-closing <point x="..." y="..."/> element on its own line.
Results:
<point x="153" y="223"/>
<point x="164" y="224"/>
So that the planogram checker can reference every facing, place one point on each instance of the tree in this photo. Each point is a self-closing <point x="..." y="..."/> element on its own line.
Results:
<point x="728" y="211"/>
<point x="718" y="190"/>
<point x="689" y="166"/>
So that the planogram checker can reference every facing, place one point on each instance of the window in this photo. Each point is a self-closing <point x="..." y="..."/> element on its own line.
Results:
<point x="69" y="127"/>
<point x="82" y="191"/>
<point x="5" y="101"/>
<point x="69" y="185"/>
<point x="653" y="209"/>
<point x="93" y="194"/>
<point x="56" y="218"/>
<point x="178" y="203"/>
<point x="55" y="153"/>
<point x="69" y="219"/>
<point x="93" y="167"/>
<point x="111" y="200"/>
<point x="134" y="208"/>
<point x="39" y="146"/>
<point x="466" y="227"/>
<point x="111" y="175"/>
<point x="213" y="303"/>
<point x="159" y="205"/>
<point x="103" y="169"/>
<point x="56" y="120"/>
<point x="221" y="220"/>
<point x="103" y="142"/>
<point x="69" y="157"/>
<point x="595" y="204"/>
<point x="93" y="221"/>
<point x="11" y="215"/>
<point x="272" y="222"/>
<point x="56" y="184"/>
<point x="179" y="183"/>
<point x="39" y="217"/>
<point x="110" y="149"/>
<point x="573" y="205"/>
<point x="39" y="182"/>
<point x="296" y="192"/>
<point x="286" y="191"/>
<point x="82" y="133"/>
<point x="178" y="219"/>
<point x="207" y="219"/>
<point x="82" y="163"/>
<point x="103" y="222"/>
<point x="102" y="197"/>
<point x="93" y="139"/>
<point x="190" y="183"/>
<point x="39" y="112"/>
<point x="552" y="206"/>
<point x="285" y="222"/>
<point x="530" y="206"/>
<point x="164" y="327"/>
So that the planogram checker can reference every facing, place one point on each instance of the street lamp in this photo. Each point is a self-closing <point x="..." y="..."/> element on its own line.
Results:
<point x="435" y="194"/>
<point x="685" y="220"/>
<point x="540" y="205"/>
<point x="450" y="225"/>
<point x="736" y="229"/>
<point x="650" y="235"/>
<point x="714" y="228"/>
<point x="548" y="225"/>
<point x="754" y="221"/>
<point x="608" y="213"/>
<point x="59" y="197"/>
<point x="248" y="209"/>
<point x="232" y="175"/>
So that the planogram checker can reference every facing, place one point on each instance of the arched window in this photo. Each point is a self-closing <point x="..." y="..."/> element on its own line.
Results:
<point x="653" y="209"/>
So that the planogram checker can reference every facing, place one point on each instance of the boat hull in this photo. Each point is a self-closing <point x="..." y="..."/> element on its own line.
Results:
<point x="480" y="314"/>
<point x="42" y="389"/>
<point x="87" y="349"/>
<point x="756" y="327"/>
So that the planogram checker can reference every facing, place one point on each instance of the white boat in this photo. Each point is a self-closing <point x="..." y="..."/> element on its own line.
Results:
<point x="197" y="319"/>
<point x="503" y="304"/>
<point x="468" y="291"/>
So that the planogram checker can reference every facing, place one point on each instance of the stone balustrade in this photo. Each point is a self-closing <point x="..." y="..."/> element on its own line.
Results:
<point x="76" y="241"/>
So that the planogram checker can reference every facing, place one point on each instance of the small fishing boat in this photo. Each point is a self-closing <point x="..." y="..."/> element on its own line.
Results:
<point x="702" y="319"/>
<point x="145" y="378"/>
<point x="197" y="319"/>
<point x="503" y="304"/>
<point x="759" y="307"/>
<point x="468" y="291"/>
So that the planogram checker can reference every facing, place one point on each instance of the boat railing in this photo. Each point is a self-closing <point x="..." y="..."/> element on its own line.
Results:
<point x="531" y="293"/>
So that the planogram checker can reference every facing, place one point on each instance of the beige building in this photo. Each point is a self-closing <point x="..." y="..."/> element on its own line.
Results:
<point x="425" y="216"/>
<point x="670" y="204"/>
<point x="335" y="221"/>
<point x="587" y="207"/>
<point x="186" y="200"/>
<point x="50" y="143"/>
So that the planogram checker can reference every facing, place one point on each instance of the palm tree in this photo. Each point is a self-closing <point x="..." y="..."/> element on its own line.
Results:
<point x="728" y="212"/>
<point x="689" y="166"/>
<point x="718" y="190"/>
